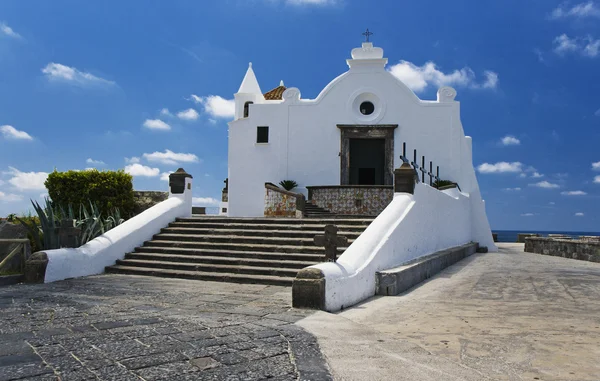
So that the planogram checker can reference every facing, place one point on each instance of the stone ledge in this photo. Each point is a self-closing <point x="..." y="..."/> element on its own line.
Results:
<point x="566" y="248"/>
<point x="399" y="279"/>
<point x="308" y="289"/>
<point x="6" y="280"/>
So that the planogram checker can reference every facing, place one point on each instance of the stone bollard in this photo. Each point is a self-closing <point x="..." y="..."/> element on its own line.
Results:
<point x="405" y="179"/>
<point x="177" y="181"/>
<point x="35" y="268"/>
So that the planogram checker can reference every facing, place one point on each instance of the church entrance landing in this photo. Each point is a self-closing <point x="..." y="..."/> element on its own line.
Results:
<point x="367" y="154"/>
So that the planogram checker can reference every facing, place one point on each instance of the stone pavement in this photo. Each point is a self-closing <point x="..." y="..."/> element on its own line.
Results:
<point x="115" y="327"/>
<point x="501" y="316"/>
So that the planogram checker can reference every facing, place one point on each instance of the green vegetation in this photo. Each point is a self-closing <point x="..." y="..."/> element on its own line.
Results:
<point x="108" y="190"/>
<point x="442" y="183"/>
<point x="288" y="185"/>
<point x="44" y="228"/>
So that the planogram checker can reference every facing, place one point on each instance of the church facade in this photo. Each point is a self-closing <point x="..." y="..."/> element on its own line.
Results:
<point x="351" y="134"/>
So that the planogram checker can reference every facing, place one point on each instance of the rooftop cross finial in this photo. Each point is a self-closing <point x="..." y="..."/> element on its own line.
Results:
<point x="367" y="34"/>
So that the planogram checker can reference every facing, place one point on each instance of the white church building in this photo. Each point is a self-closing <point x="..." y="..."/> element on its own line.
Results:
<point x="352" y="133"/>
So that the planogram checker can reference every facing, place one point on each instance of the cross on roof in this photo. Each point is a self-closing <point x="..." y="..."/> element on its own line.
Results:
<point x="331" y="241"/>
<point x="367" y="34"/>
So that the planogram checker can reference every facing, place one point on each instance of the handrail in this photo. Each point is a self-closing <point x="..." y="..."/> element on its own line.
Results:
<point x="23" y="243"/>
<point x="422" y="169"/>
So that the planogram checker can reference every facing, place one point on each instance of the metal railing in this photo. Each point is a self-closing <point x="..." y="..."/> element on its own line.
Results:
<point x="422" y="168"/>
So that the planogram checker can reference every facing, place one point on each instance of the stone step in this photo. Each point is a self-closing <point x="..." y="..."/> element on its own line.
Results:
<point x="235" y="261"/>
<point x="198" y="275"/>
<point x="287" y="221"/>
<point x="273" y="256"/>
<point x="280" y="227"/>
<point x="257" y="233"/>
<point x="203" y="267"/>
<point x="243" y="239"/>
<point x="229" y="246"/>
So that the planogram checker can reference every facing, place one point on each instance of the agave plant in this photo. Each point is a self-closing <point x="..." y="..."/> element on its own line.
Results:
<point x="288" y="185"/>
<point x="90" y="222"/>
<point x="45" y="235"/>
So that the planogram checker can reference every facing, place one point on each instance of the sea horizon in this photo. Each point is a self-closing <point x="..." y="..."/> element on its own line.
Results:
<point x="511" y="235"/>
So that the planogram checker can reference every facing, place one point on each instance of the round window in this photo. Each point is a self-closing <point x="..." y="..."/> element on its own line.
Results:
<point x="367" y="108"/>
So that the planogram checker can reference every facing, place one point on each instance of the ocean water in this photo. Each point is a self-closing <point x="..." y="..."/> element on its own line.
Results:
<point x="511" y="235"/>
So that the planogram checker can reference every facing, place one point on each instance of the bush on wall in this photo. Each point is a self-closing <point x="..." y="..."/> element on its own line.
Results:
<point x="107" y="189"/>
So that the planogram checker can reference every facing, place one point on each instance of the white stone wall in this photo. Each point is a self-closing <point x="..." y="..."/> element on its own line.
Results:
<point x="104" y="250"/>
<point x="410" y="227"/>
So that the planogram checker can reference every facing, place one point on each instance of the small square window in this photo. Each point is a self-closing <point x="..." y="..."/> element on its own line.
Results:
<point x="262" y="134"/>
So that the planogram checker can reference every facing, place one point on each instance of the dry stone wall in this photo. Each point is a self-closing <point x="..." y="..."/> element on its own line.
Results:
<point x="147" y="199"/>
<point x="585" y="250"/>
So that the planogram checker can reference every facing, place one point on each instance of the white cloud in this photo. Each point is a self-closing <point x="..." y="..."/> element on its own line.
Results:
<point x="10" y="132"/>
<point x="585" y="46"/>
<point x="588" y="9"/>
<point x="216" y="106"/>
<point x="510" y="140"/>
<point x="63" y="73"/>
<point x="574" y="193"/>
<point x="512" y="189"/>
<point x="522" y="175"/>
<point x="596" y="166"/>
<point x="10" y="197"/>
<point x="545" y="184"/>
<point x="189" y="114"/>
<point x="8" y="31"/>
<point x="156" y="124"/>
<point x="95" y="162"/>
<point x="527" y="215"/>
<point x="170" y="157"/>
<point x="27" y="180"/>
<point x="501" y="167"/>
<point x="551" y="203"/>
<point x="491" y="80"/>
<point x="597" y="113"/>
<point x="579" y="214"/>
<point x="165" y="175"/>
<point x="205" y="201"/>
<point x="592" y="48"/>
<point x="597" y="180"/>
<point x="132" y="160"/>
<point x="165" y="112"/>
<point x="564" y="44"/>
<point x="141" y="170"/>
<point x="418" y="78"/>
<point x="536" y="175"/>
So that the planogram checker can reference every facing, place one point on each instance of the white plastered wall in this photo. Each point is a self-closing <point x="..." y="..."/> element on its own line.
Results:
<point x="410" y="227"/>
<point x="104" y="250"/>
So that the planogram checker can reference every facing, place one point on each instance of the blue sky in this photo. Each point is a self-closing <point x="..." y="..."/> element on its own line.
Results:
<point x="148" y="88"/>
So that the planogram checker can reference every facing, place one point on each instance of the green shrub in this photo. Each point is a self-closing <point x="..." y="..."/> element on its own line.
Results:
<point x="442" y="183"/>
<point x="109" y="190"/>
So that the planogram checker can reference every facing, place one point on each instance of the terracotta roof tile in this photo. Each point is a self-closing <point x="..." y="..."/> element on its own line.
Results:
<point x="275" y="94"/>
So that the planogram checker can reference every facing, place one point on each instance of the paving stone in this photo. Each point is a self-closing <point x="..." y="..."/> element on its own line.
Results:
<point x="204" y="363"/>
<point x="14" y="372"/>
<point x="22" y="358"/>
<point x="80" y="374"/>
<point x="98" y="327"/>
<point x="152" y="360"/>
